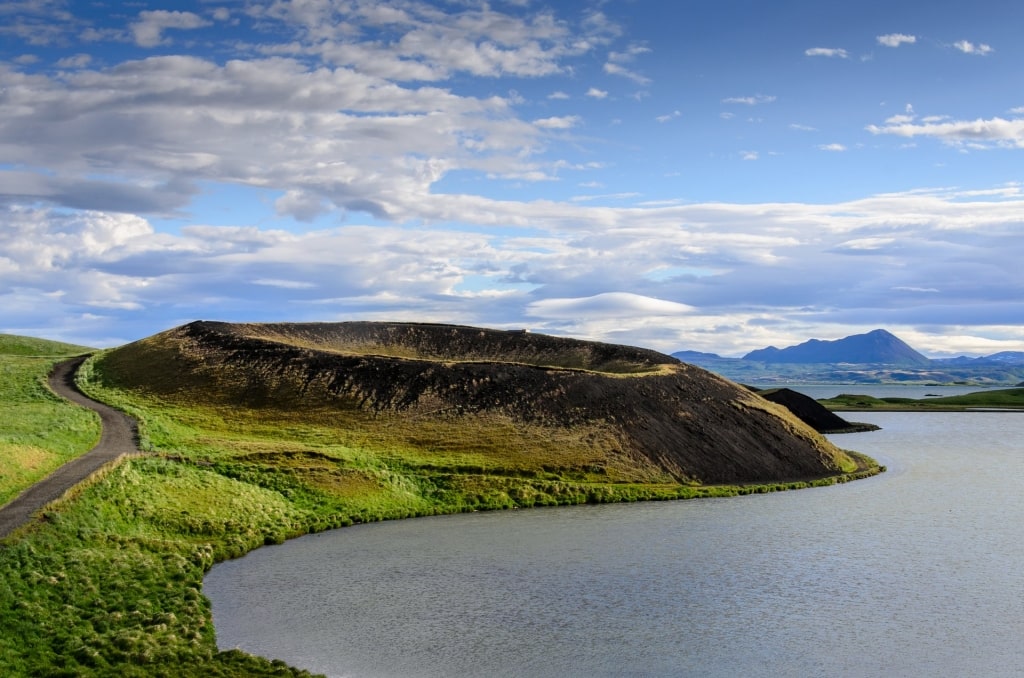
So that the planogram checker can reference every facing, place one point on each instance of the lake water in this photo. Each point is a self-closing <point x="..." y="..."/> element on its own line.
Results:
<point x="916" y="572"/>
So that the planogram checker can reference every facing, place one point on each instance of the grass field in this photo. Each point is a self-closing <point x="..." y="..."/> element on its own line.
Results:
<point x="38" y="430"/>
<point x="109" y="582"/>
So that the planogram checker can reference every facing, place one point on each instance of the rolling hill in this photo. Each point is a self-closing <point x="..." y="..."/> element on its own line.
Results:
<point x="508" y="402"/>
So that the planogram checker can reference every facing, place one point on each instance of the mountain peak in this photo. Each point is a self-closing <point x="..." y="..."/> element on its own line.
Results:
<point x="874" y="347"/>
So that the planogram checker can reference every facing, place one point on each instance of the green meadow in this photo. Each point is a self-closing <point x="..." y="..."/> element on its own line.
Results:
<point x="109" y="580"/>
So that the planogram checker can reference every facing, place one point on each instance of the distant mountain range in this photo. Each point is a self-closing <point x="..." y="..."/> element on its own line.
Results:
<point x="875" y="357"/>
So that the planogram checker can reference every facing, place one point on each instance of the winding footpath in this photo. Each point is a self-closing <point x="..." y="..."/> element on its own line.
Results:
<point x="119" y="436"/>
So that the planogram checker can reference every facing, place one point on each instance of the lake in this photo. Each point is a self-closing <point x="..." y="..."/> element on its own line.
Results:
<point x="916" y="572"/>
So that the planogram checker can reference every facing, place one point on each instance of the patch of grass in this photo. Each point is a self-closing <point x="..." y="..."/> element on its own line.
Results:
<point x="38" y="431"/>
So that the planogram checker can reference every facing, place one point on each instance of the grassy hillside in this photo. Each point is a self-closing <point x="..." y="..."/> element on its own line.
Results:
<point x="244" y="453"/>
<point x="38" y="430"/>
<point x="12" y="344"/>
<point x="1004" y="399"/>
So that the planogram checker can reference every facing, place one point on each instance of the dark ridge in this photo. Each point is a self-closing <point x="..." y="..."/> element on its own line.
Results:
<point x="811" y="412"/>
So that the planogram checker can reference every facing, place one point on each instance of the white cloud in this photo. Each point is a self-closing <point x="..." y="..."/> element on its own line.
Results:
<point x="899" y="119"/>
<point x="558" y="96"/>
<point x="426" y="42"/>
<point x="596" y="93"/>
<point x="578" y="269"/>
<point x="896" y="39"/>
<point x="148" y="30"/>
<point x="619" y="305"/>
<point x="614" y="65"/>
<point x="670" y="116"/>
<point x="995" y="131"/>
<point x="76" y="61"/>
<point x="750" y="101"/>
<point x="560" y="122"/>
<point x="831" y="52"/>
<point x="750" y="155"/>
<point x="837" y="148"/>
<point x="968" y="47"/>
<point x="802" y="128"/>
<point x="612" y="68"/>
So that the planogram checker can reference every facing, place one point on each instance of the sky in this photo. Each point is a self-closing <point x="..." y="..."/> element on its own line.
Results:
<point x="711" y="175"/>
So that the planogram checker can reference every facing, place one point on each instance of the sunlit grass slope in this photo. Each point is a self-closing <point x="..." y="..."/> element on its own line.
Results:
<point x="38" y="430"/>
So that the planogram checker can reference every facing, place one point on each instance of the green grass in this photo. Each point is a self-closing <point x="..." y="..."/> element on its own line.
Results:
<point x="12" y="344"/>
<point x="38" y="431"/>
<point x="109" y="581"/>
<point x="1009" y="399"/>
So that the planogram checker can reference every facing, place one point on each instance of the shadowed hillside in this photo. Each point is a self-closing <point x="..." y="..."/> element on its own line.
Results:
<point x="514" y="400"/>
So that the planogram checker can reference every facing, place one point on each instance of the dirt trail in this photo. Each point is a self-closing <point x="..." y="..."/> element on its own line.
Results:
<point x="119" y="436"/>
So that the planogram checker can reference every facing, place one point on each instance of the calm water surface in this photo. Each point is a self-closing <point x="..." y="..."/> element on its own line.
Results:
<point x="917" y="572"/>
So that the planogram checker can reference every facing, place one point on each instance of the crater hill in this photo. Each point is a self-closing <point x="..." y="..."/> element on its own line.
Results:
<point x="457" y="398"/>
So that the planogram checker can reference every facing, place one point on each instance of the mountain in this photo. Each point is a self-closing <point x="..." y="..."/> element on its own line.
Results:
<point x="877" y="357"/>
<point x="696" y="356"/>
<point x="1001" y="358"/>
<point x="878" y="347"/>
<point x="525" y="403"/>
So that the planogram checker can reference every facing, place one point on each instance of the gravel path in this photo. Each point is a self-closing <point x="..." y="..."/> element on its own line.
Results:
<point x="119" y="436"/>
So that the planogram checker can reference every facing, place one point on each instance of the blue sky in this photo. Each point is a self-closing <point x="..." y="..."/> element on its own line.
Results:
<point x="716" y="176"/>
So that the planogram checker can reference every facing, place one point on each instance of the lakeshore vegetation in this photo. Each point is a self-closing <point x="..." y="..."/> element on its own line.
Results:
<point x="109" y="580"/>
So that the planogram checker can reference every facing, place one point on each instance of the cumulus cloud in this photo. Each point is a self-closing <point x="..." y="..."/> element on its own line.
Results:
<point x="968" y="47"/>
<point x="148" y="30"/>
<point x="559" y="122"/>
<point x="831" y="52"/>
<point x="670" y="276"/>
<point x="995" y="131"/>
<point x="596" y="93"/>
<point x="896" y="39"/>
<point x="423" y="42"/>
<point x="835" y="148"/>
<point x="166" y="122"/>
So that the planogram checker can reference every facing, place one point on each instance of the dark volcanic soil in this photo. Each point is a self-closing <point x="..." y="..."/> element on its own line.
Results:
<point x="813" y="413"/>
<point x="684" y="420"/>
